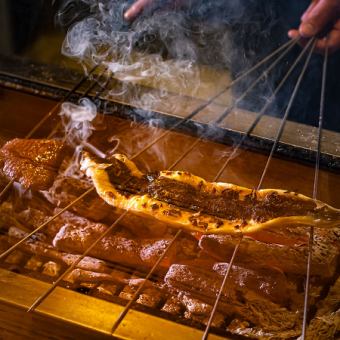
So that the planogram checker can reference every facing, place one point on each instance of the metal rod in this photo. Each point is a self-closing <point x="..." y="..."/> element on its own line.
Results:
<point x="142" y="285"/>
<point x="223" y="285"/>
<point x="42" y="297"/>
<point x="46" y="294"/>
<point x="285" y="116"/>
<point x="50" y="114"/>
<point x="260" y="114"/>
<point x="315" y="192"/>
<point x="183" y="155"/>
<point x="226" y="112"/>
<point x="297" y="86"/>
<point x="8" y="251"/>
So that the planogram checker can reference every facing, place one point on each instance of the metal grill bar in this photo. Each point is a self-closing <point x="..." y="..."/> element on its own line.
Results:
<point x="85" y="94"/>
<point x="315" y="192"/>
<point x="47" y="293"/>
<point x="226" y="112"/>
<point x="50" y="114"/>
<point x="191" y="115"/>
<point x="284" y="119"/>
<point x="43" y="225"/>
<point x="217" y="121"/>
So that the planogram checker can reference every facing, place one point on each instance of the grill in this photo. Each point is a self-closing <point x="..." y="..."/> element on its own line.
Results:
<point x="37" y="282"/>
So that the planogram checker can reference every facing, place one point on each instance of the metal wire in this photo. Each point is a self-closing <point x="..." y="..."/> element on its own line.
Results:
<point x="50" y="114"/>
<point x="43" y="225"/>
<point x="142" y="285"/>
<point x="279" y="134"/>
<point x="41" y="298"/>
<point x="315" y="192"/>
<point x="191" y="115"/>
<point x="226" y="112"/>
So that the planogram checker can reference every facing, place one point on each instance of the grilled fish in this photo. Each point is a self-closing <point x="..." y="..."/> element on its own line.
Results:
<point x="183" y="200"/>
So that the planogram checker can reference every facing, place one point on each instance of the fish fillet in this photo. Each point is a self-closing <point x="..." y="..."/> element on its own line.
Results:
<point x="183" y="200"/>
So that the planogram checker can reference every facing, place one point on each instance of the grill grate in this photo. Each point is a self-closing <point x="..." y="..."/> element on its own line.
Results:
<point x="136" y="295"/>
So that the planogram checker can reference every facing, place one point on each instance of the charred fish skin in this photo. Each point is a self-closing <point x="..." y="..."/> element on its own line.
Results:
<point x="186" y="201"/>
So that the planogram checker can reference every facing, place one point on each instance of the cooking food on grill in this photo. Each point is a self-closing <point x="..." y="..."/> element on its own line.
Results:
<point x="183" y="200"/>
<point x="34" y="163"/>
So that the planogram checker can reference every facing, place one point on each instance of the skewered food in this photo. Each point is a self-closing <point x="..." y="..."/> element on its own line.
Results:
<point x="32" y="162"/>
<point x="185" y="201"/>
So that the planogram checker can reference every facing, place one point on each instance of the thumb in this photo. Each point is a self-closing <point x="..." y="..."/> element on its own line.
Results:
<point x="319" y="17"/>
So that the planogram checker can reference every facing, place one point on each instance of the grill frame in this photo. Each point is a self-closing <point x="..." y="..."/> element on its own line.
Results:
<point x="94" y="314"/>
<point x="31" y="78"/>
<point x="189" y="131"/>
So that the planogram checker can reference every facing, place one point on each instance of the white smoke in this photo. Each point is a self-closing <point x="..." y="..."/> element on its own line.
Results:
<point x="77" y="120"/>
<point x="78" y="126"/>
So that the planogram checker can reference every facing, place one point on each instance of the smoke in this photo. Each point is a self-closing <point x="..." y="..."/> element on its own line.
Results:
<point x="161" y="48"/>
<point x="78" y="126"/>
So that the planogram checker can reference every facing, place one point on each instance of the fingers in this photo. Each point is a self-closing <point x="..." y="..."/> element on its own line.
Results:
<point x="136" y="9"/>
<point x="332" y="40"/>
<point x="320" y="14"/>
<point x="309" y="9"/>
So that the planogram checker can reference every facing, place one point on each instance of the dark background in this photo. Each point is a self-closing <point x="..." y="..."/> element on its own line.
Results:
<point x="35" y="30"/>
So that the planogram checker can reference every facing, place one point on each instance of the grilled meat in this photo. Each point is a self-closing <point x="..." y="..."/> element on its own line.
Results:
<point x="236" y="299"/>
<point x="183" y="200"/>
<point x="288" y="258"/>
<point x="32" y="162"/>
<point x="66" y="189"/>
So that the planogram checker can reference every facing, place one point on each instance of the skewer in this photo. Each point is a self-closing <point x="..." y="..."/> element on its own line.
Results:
<point x="60" y="278"/>
<point x="279" y="134"/>
<point x="48" y="115"/>
<point x="225" y="113"/>
<point x="141" y="286"/>
<point x="150" y="273"/>
<point x="191" y="115"/>
<point x="42" y="297"/>
<point x="315" y="192"/>
<point x="290" y="103"/>
<point x="9" y="250"/>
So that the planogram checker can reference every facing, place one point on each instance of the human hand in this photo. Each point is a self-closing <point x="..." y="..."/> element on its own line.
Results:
<point x="139" y="5"/>
<point x="321" y="17"/>
<point x="136" y="9"/>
